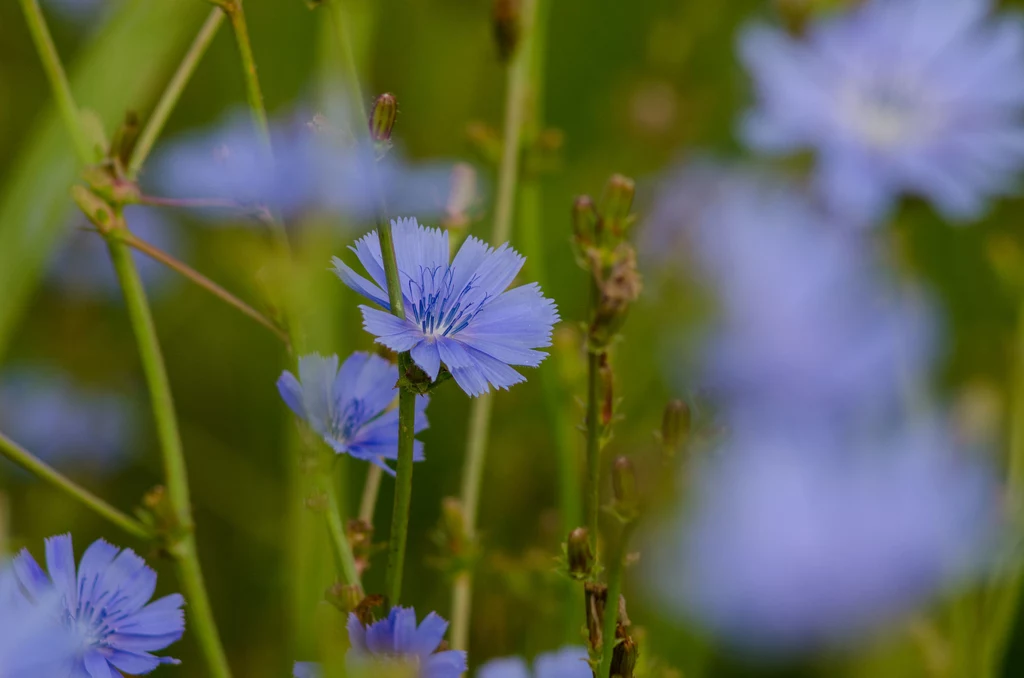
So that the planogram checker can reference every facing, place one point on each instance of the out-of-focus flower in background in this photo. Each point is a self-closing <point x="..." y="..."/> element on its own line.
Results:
<point x="348" y="407"/>
<point x="457" y="312"/>
<point x="306" y="670"/>
<point x="314" y="168"/>
<point x="64" y="422"/>
<point x="895" y="96"/>
<point x="33" y="642"/>
<point x="398" y="640"/>
<point x="105" y="606"/>
<point x="569" y="662"/>
<point x="799" y="540"/>
<point x="81" y="268"/>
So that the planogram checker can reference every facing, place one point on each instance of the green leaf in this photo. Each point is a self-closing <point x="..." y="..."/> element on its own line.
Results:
<point x="126" y="66"/>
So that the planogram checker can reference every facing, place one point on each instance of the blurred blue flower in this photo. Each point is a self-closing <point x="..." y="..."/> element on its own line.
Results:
<point x="398" y="641"/>
<point x="81" y="265"/>
<point x="310" y="170"/>
<point x="800" y="539"/>
<point x="569" y="662"/>
<point x="916" y="96"/>
<point x="105" y="605"/>
<point x="348" y="407"/>
<point x="806" y="317"/>
<point x="33" y="642"/>
<point x="63" y="422"/>
<point x="306" y="670"/>
<point x="458" y="312"/>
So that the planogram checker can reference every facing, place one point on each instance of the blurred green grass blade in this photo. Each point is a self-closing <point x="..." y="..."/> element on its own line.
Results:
<point x="125" y="66"/>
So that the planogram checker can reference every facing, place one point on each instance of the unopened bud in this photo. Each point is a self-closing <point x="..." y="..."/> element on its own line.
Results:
<point x="579" y="553"/>
<point x="675" y="425"/>
<point x="616" y="202"/>
<point x="595" y="597"/>
<point x="625" y="654"/>
<point x="382" y="120"/>
<point x="584" y="221"/>
<point x="624" y="489"/>
<point x="506" y="26"/>
<point x="345" y="597"/>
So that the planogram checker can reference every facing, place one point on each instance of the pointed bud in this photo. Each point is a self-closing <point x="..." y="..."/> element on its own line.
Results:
<point x="625" y="654"/>
<point x="345" y="597"/>
<point x="506" y="26"/>
<point x="624" y="489"/>
<point x="584" y="221"/>
<point x="675" y="426"/>
<point x="595" y="597"/>
<point x="579" y="554"/>
<point x="616" y="202"/>
<point x="382" y="120"/>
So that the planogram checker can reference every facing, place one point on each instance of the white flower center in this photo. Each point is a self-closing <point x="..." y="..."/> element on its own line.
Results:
<point x="887" y="114"/>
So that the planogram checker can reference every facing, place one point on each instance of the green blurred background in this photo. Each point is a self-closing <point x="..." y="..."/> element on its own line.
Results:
<point x="632" y="86"/>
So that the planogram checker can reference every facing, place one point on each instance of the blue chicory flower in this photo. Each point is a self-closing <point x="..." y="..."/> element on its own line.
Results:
<point x="568" y="662"/>
<point x="799" y="539"/>
<point x="104" y="604"/>
<point x="62" y="421"/>
<point x="309" y="171"/>
<point x="306" y="670"/>
<point x="457" y="312"/>
<point x="896" y="96"/>
<point x="348" y="407"/>
<point x="398" y="641"/>
<point x="33" y="642"/>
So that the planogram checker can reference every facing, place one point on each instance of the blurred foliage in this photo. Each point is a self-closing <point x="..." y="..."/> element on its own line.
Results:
<point x="632" y="86"/>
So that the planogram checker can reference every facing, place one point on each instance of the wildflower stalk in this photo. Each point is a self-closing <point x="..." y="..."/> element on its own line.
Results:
<point x="58" y="80"/>
<point x="517" y="93"/>
<point x="204" y="282"/>
<point x="339" y="540"/>
<point x="253" y="93"/>
<point x="44" y="472"/>
<point x="368" y="503"/>
<point x="403" y="491"/>
<point x="616" y="567"/>
<point x="175" y="473"/>
<point x="176" y="478"/>
<point x="169" y="99"/>
<point x="594" y="435"/>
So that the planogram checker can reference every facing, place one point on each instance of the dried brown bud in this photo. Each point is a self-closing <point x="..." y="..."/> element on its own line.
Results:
<point x="595" y="596"/>
<point x="382" y="119"/>
<point x="616" y="202"/>
<point x="617" y="290"/>
<point x="506" y="26"/>
<point x="579" y="553"/>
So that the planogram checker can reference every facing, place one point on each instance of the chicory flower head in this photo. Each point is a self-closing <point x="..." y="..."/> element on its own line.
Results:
<point x="896" y="96"/>
<point x="457" y="312"/>
<point x="569" y="662"/>
<point x="398" y="641"/>
<point x="104" y="605"/>
<point x="348" y="407"/>
<point x="800" y="539"/>
<point x="33" y="642"/>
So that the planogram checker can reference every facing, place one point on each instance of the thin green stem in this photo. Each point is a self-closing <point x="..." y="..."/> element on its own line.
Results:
<point x="368" y="503"/>
<point x="616" y="566"/>
<point x="339" y="540"/>
<point x="58" y="80"/>
<point x="253" y="93"/>
<point x="356" y="108"/>
<point x="593" y="444"/>
<point x="517" y="92"/>
<point x="175" y="473"/>
<point x="403" y="496"/>
<point x="41" y="470"/>
<point x="155" y="125"/>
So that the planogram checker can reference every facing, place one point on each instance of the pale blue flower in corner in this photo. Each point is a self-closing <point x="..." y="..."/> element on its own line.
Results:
<point x="896" y="96"/>
<point x="104" y="605"/>
<point x="569" y="662"/>
<point x="33" y="641"/>
<point x="800" y="539"/>
<point x="348" y="407"/>
<point x="457" y="312"/>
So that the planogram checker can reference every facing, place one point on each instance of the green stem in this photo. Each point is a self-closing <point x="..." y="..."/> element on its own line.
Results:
<point x="41" y="470"/>
<point x="169" y="99"/>
<point x="253" y="93"/>
<point x="368" y="504"/>
<point x="356" y="108"/>
<point x="517" y="92"/>
<point x="175" y="474"/>
<point x="339" y="540"/>
<point x="593" y="444"/>
<point x="403" y="495"/>
<point x="58" y="80"/>
<point x="616" y="566"/>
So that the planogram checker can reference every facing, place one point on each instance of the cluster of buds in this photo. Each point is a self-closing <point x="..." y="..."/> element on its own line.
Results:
<point x="601" y="237"/>
<point x="107" y="184"/>
<point x="626" y="650"/>
<point x="360" y="537"/>
<point x="157" y="513"/>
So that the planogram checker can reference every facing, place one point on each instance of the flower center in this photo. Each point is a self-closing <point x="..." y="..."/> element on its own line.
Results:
<point x="438" y="308"/>
<point x="348" y="420"/>
<point x="886" y="114"/>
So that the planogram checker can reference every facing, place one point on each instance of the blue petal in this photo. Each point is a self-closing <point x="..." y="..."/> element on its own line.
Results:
<point x="95" y="561"/>
<point x="134" y="581"/>
<point x="426" y="356"/>
<point x="429" y="635"/>
<point x="35" y="582"/>
<point x="60" y="562"/>
<point x="464" y="369"/>
<point x="360" y="284"/>
<point x="97" y="666"/>
<point x="397" y="334"/>
<point x="569" y="662"/>
<point x="371" y="380"/>
<point x="291" y="392"/>
<point x="306" y="670"/>
<point x="449" y="664"/>
<point x="508" y="667"/>
<point x="356" y="634"/>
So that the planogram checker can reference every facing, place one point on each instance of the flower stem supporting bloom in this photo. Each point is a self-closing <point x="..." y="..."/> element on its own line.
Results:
<point x="594" y="435"/>
<point x="175" y="473"/>
<point x="616" y="566"/>
<point x="169" y="99"/>
<point x="403" y="490"/>
<point x="253" y="93"/>
<point x="44" y="472"/>
<point x="339" y="540"/>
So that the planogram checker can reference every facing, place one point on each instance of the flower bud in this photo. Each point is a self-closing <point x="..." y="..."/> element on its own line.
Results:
<point x="616" y="202"/>
<point x="95" y="208"/>
<point x="345" y="597"/>
<point x="579" y="553"/>
<point x="595" y="596"/>
<point x="506" y="26"/>
<point x="382" y="119"/>
<point x="624" y="489"/>
<point x="675" y="426"/>
<point x="625" y="654"/>
<point x="584" y="221"/>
